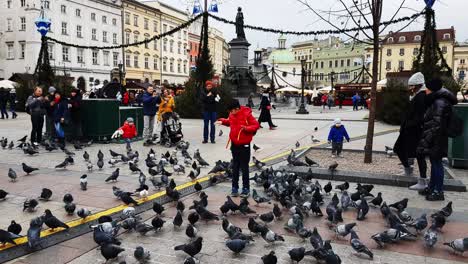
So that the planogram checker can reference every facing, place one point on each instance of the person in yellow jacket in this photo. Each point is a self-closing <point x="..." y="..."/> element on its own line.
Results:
<point x="167" y="104"/>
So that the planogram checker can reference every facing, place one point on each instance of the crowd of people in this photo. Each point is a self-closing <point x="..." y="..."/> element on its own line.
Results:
<point x="8" y="102"/>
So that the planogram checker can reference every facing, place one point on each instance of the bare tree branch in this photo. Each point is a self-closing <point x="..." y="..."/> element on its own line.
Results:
<point x="360" y="11"/>
<point x="354" y="20"/>
<point x="394" y="15"/>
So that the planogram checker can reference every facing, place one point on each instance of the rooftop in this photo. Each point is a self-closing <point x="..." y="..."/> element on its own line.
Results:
<point x="282" y="56"/>
<point x="447" y="34"/>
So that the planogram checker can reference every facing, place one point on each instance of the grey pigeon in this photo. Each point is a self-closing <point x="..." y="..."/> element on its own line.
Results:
<point x="270" y="236"/>
<point x="12" y="175"/>
<point x="236" y="245"/>
<point x="459" y="245"/>
<point x="143" y="228"/>
<point x="30" y="205"/>
<point x="141" y="255"/>
<point x="358" y="246"/>
<point x="270" y="258"/>
<point x="84" y="182"/>
<point x="86" y="156"/>
<point x="14" y="228"/>
<point x="178" y="220"/>
<point x="110" y="251"/>
<point x="83" y="213"/>
<point x="7" y="237"/>
<point x="53" y="222"/>
<point x="344" y="229"/>
<point x="28" y="169"/>
<point x="430" y="237"/>
<point x="34" y="232"/>
<point x="45" y="194"/>
<point x="113" y="177"/>
<point x="420" y="223"/>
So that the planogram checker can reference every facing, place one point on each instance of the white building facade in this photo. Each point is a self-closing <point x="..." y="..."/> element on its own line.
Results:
<point x="87" y="23"/>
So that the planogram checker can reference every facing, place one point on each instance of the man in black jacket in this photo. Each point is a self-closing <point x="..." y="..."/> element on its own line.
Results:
<point x="434" y="138"/>
<point x="410" y="131"/>
<point x="209" y="100"/>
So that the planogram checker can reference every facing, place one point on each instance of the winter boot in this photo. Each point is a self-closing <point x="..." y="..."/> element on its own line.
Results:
<point x="420" y="185"/>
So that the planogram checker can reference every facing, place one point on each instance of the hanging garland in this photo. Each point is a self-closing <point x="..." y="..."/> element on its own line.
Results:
<point x="155" y="37"/>
<point x="319" y="32"/>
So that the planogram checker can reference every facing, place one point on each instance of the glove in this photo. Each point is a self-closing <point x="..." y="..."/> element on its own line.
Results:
<point x="117" y="133"/>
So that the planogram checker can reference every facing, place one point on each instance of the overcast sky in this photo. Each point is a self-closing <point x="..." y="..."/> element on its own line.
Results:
<point x="292" y="15"/>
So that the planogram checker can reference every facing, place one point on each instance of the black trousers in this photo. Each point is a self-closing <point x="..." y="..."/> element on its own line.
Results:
<point x="422" y="164"/>
<point x="240" y="159"/>
<point x="37" y="120"/>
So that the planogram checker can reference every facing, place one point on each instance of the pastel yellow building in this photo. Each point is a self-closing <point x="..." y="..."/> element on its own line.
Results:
<point x="460" y="61"/>
<point x="143" y="62"/>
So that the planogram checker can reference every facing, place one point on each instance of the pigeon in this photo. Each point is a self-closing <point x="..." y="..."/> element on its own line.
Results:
<point x="67" y="198"/>
<point x="446" y="211"/>
<point x="83" y="213"/>
<point x="205" y="214"/>
<point x="191" y="260"/>
<point x="7" y="237"/>
<point x="114" y="154"/>
<point x="157" y="223"/>
<point x="197" y="186"/>
<point x="430" y="237"/>
<point x="277" y="211"/>
<point x="34" y="232"/>
<point x="191" y="231"/>
<point x="141" y="255"/>
<point x="298" y="144"/>
<point x="70" y="208"/>
<point x="259" y="199"/>
<point x="158" y="208"/>
<point x="244" y="207"/>
<point x="11" y="145"/>
<point x="333" y="166"/>
<point x="193" y="218"/>
<point x="298" y="254"/>
<point x="420" y="223"/>
<point x="310" y="162"/>
<point x="133" y="167"/>
<point x="12" y="175"/>
<point x="255" y="148"/>
<point x="220" y="133"/>
<point x="328" y="188"/>
<point x="180" y="206"/>
<point x="255" y="227"/>
<point x="128" y="212"/>
<point x="438" y="221"/>
<point x="126" y="198"/>
<point x="270" y="258"/>
<point x="377" y="201"/>
<point x="400" y="205"/>
<point x="14" y="228"/>
<point x="53" y="222"/>
<point x="229" y="228"/>
<point x="172" y="193"/>
<point x="459" y="245"/>
<point x="363" y="209"/>
<point x="30" y="151"/>
<point x="344" y="229"/>
<point x="100" y="164"/>
<point x="30" y="205"/>
<point x="28" y="169"/>
<point x="143" y="228"/>
<point x="45" y="194"/>
<point x="62" y="165"/>
<point x="110" y="251"/>
<point x="86" y="156"/>
<point x="315" y="239"/>
<point x="178" y="220"/>
<point x="68" y="153"/>
<point x="84" y="182"/>
<point x="358" y="246"/>
<point x="236" y="245"/>
<point x="267" y="217"/>
<point x="192" y="248"/>
<point x="345" y="200"/>
<point x="343" y="187"/>
<point x="113" y="177"/>
<point x="270" y="236"/>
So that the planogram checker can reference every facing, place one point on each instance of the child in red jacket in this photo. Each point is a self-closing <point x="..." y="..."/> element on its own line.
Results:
<point x="243" y="127"/>
<point x="127" y="132"/>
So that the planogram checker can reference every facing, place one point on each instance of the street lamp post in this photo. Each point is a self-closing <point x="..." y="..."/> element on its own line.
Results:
<point x="302" y="109"/>
<point x="120" y="65"/>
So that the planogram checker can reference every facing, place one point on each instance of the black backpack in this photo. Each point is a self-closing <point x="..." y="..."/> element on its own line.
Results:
<point x="454" y="125"/>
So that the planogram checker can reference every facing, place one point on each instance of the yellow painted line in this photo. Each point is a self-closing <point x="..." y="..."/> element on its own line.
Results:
<point x="77" y="222"/>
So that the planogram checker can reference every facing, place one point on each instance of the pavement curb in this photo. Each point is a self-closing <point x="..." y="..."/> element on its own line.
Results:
<point x="370" y="178"/>
<point x="79" y="227"/>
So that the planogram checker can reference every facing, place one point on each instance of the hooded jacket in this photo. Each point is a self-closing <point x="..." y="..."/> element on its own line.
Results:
<point x="150" y="104"/>
<point x="337" y="134"/>
<point x="243" y="126"/>
<point x="129" y="130"/>
<point x="434" y="138"/>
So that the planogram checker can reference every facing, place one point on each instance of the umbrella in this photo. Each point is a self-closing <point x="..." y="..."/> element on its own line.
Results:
<point x="288" y="90"/>
<point x="325" y="89"/>
<point x="8" y="84"/>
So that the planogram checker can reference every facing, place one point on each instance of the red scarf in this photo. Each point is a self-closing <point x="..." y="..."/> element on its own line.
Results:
<point x="56" y="100"/>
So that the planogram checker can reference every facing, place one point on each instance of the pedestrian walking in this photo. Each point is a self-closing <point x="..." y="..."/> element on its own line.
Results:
<point x="324" y="100"/>
<point x="4" y="96"/>
<point x="49" y="98"/>
<point x="410" y="131"/>
<point x="60" y="115"/>
<point x="12" y="100"/>
<point x="151" y="102"/>
<point x="74" y="105"/>
<point x="250" y="102"/>
<point x="210" y="98"/>
<point x="356" y="99"/>
<point x="243" y="128"/>
<point x="265" y="108"/>
<point x="127" y="131"/>
<point x="434" y="138"/>
<point x="336" y="137"/>
<point x="341" y="98"/>
<point x="36" y="107"/>
<point x="363" y="101"/>
<point x="330" y="101"/>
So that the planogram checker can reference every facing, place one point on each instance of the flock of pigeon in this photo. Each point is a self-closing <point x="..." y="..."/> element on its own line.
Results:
<point x="294" y="198"/>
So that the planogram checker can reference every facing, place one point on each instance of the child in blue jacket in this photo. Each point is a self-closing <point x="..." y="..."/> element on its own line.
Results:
<point x="335" y="137"/>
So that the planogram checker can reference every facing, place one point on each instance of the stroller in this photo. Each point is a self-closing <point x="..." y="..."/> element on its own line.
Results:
<point x="171" y="132"/>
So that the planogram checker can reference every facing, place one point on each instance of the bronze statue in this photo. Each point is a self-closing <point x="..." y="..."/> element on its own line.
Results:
<point x="240" y="24"/>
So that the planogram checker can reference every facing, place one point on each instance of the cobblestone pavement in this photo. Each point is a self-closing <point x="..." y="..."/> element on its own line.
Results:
<point x="99" y="197"/>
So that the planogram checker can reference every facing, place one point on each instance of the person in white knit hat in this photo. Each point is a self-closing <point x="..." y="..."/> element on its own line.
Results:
<point x="336" y="137"/>
<point x="410" y="131"/>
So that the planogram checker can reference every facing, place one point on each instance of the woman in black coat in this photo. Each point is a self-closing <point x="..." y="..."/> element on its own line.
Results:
<point x="434" y="139"/>
<point x="265" y="115"/>
<point x="75" y="113"/>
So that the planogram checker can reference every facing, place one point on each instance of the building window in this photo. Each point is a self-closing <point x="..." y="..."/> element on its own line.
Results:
<point x="316" y="65"/>
<point x="179" y="70"/>
<point x="79" y="55"/>
<point x="22" y="23"/>
<point x="114" y="38"/>
<point x="146" y="62"/>
<point x="105" y="55"/>
<point x="321" y="76"/>
<point x="155" y="44"/>
<point x="171" y="46"/>
<point x="95" y="57"/>
<point x="79" y="32"/>
<point x="93" y="16"/>
<point x="23" y="3"/>
<point x="179" y="34"/>
<point x="135" y="61"/>
<point x="330" y="64"/>
<point x="444" y="49"/>
<point x="104" y="19"/>
<point x="185" y="49"/>
<point x="402" y="39"/>
<point x="22" y="50"/>
<point x="417" y="38"/>
<point x="336" y="63"/>
<point x="135" y="20"/>
<point x="164" y="28"/>
<point x="401" y="65"/>
<point x="348" y="63"/>
<point x="179" y="46"/>
<point x="65" y="52"/>
<point x="115" y="59"/>
<point x="415" y="51"/>
<point x="146" y="24"/>
<point x="342" y="63"/>
<point x="127" y="60"/>
<point x="135" y="38"/>
<point x="64" y="28"/>
<point x="389" y="52"/>
<point x="127" y="37"/>
<point x="146" y="43"/>
<point x="185" y="67"/>
<point x="8" y="3"/>
<point x="402" y="52"/>
<point x="47" y="4"/>
<point x="114" y="22"/>
<point x="447" y="36"/>
<point x="51" y="51"/>
<point x="104" y="36"/>
<point x="155" y="26"/>
<point x="462" y="61"/>
<point x="171" y="66"/>
<point x="165" y="45"/>
<point x="127" y="18"/>
<point x="185" y="35"/>
<point x="388" y="65"/>
<point x="63" y="9"/>
<point x="321" y="65"/>
<point x="165" y="65"/>
<point x="390" y="40"/>
<point x="155" y="63"/>
<point x="9" y="24"/>
<point x="94" y="34"/>
<point x="78" y="12"/>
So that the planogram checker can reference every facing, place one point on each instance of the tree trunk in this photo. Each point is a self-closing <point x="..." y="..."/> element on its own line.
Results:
<point x="375" y="72"/>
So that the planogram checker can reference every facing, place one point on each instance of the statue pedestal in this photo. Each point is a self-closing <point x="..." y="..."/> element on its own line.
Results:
<point x="239" y="53"/>
<point x="239" y="77"/>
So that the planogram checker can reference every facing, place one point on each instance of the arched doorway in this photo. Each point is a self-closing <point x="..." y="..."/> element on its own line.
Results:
<point x="81" y="83"/>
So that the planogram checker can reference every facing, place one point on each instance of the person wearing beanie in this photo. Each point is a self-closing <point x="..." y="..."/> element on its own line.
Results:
<point x="335" y="137"/>
<point x="4" y="95"/>
<point x="127" y="131"/>
<point x="49" y="98"/>
<point x="12" y="100"/>
<point x="265" y="107"/>
<point x="74" y="103"/>
<point x="434" y="138"/>
<point x="151" y="101"/>
<point x="410" y="131"/>
<point x="36" y="106"/>
<point x="243" y="127"/>
<point x="209" y="100"/>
